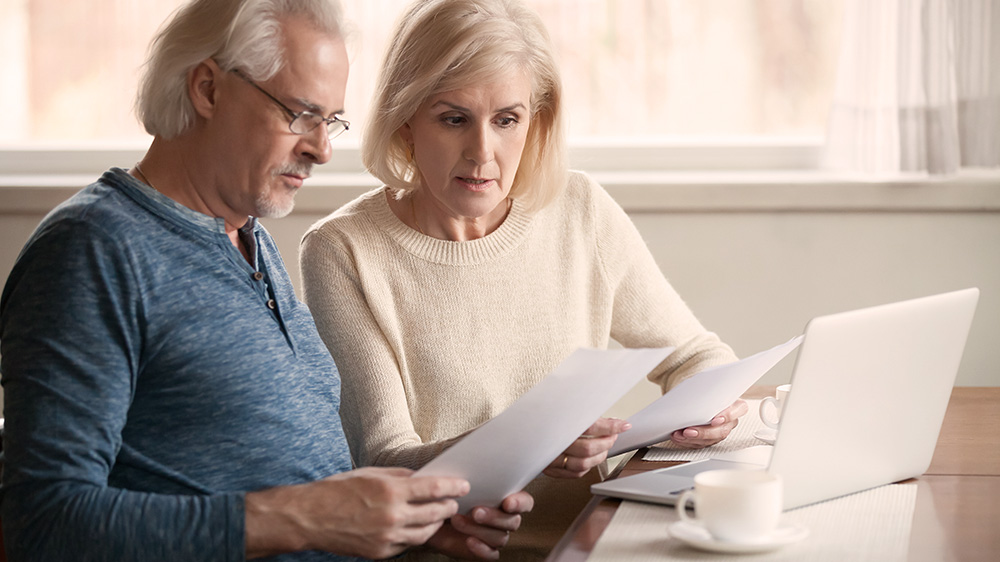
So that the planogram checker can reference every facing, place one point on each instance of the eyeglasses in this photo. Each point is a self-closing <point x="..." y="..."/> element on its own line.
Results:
<point x="303" y="121"/>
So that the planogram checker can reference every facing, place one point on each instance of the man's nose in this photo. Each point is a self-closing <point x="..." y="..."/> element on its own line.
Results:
<point x="315" y="145"/>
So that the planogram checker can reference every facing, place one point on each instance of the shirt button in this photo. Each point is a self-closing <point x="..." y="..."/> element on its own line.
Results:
<point x="271" y="304"/>
<point x="257" y="276"/>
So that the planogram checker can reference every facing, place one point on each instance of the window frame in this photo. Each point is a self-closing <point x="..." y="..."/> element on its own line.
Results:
<point x="643" y="174"/>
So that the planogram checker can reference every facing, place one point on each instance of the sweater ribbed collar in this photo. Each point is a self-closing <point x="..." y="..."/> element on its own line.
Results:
<point x="510" y="234"/>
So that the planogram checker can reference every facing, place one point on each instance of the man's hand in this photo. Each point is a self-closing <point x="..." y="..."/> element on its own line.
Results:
<point x="371" y="512"/>
<point x="719" y="428"/>
<point x="484" y="531"/>
<point x="590" y="450"/>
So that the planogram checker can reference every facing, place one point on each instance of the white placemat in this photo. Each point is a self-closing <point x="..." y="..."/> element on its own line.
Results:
<point x="868" y="526"/>
<point x="741" y="438"/>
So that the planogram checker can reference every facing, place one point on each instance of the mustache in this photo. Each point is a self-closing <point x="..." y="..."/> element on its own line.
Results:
<point x="296" y="169"/>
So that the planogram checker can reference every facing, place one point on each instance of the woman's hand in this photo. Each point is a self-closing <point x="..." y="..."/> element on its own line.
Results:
<point x="719" y="428"/>
<point x="484" y="531"/>
<point x="590" y="450"/>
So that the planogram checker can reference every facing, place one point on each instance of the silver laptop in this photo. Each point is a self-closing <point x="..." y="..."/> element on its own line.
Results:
<point x="869" y="392"/>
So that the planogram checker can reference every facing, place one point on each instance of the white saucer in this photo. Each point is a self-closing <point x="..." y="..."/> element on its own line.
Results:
<point x="697" y="536"/>
<point x="766" y="434"/>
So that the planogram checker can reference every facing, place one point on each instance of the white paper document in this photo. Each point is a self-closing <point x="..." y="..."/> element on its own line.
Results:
<point x="699" y="398"/>
<point x="504" y="454"/>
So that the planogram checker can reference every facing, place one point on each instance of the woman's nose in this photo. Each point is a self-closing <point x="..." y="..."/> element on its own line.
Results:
<point x="478" y="148"/>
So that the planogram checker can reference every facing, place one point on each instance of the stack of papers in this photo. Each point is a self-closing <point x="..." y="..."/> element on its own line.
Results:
<point x="697" y="399"/>
<point x="503" y="455"/>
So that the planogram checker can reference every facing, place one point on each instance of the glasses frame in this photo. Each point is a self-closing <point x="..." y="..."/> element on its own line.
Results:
<point x="335" y="126"/>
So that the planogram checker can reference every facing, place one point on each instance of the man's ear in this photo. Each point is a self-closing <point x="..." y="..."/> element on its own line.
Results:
<point x="202" y="82"/>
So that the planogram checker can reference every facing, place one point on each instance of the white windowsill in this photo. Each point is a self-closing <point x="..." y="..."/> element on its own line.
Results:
<point x="651" y="176"/>
<point x="754" y="191"/>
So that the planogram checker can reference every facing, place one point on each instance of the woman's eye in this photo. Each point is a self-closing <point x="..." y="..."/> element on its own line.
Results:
<point x="507" y="121"/>
<point x="453" y="120"/>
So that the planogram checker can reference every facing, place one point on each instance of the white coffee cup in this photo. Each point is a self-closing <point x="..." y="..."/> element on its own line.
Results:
<point x="734" y="505"/>
<point x="776" y="402"/>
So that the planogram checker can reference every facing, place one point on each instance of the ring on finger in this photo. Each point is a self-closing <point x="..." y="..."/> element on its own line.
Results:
<point x="565" y="460"/>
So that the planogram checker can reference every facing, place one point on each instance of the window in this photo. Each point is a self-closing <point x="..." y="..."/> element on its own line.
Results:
<point x="646" y="69"/>
<point x="70" y="68"/>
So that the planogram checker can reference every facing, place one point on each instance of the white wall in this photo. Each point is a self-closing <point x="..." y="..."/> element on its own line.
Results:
<point x="754" y="261"/>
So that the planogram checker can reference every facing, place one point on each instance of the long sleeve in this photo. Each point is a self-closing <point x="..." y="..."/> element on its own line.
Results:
<point x="152" y="376"/>
<point x="376" y="415"/>
<point x="647" y="310"/>
<point x="69" y="374"/>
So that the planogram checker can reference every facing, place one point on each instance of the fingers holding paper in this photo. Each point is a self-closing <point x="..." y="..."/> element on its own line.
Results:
<point x="484" y="531"/>
<point x="719" y="428"/>
<point x="589" y="450"/>
<point x="370" y="512"/>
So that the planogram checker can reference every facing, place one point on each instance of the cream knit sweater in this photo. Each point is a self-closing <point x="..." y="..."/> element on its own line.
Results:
<point x="433" y="338"/>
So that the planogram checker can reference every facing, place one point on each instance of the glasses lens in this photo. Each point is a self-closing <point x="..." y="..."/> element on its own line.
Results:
<point x="307" y="121"/>
<point x="335" y="128"/>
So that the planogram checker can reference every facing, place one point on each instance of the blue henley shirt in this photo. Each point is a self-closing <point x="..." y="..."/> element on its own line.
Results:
<point x="151" y="377"/>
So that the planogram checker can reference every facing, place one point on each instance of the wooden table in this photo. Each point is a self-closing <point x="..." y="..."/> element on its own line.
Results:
<point x="957" y="515"/>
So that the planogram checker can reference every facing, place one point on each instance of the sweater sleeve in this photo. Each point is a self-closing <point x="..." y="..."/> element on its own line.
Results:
<point x="71" y="334"/>
<point x="374" y="406"/>
<point x="648" y="312"/>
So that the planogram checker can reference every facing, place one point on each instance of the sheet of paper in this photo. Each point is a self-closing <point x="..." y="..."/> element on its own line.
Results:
<point x="504" y="454"/>
<point x="696" y="400"/>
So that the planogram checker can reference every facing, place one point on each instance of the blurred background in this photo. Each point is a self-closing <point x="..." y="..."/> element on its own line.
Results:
<point x="706" y="120"/>
<point x="631" y="67"/>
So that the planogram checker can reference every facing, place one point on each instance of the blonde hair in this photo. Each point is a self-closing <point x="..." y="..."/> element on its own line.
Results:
<point x="243" y="34"/>
<point x="442" y="45"/>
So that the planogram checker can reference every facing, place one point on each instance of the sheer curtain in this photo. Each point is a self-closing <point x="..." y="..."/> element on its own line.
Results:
<point x="918" y="88"/>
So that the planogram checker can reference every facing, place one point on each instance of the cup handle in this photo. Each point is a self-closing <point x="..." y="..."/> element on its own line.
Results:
<point x="763" y="417"/>
<point x="681" y="506"/>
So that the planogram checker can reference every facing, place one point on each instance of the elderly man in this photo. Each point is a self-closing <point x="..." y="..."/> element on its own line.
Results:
<point x="166" y="395"/>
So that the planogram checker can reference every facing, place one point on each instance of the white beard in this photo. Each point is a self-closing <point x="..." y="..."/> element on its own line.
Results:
<point x="270" y="207"/>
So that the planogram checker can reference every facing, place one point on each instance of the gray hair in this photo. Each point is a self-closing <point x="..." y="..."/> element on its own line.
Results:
<point x="244" y="34"/>
<point x="442" y="45"/>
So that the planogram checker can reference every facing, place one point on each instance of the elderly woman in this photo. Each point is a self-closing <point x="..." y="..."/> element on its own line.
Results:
<point x="483" y="262"/>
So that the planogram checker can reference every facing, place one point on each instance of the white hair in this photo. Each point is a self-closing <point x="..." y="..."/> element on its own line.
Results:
<point x="244" y="34"/>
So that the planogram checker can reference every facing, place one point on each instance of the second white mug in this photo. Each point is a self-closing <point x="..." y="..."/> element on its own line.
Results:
<point x="774" y="403"/>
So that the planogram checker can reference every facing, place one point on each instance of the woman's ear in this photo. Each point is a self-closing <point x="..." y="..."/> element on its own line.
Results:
<point x="202" y="82"/>
<point x="406" y="133"/>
